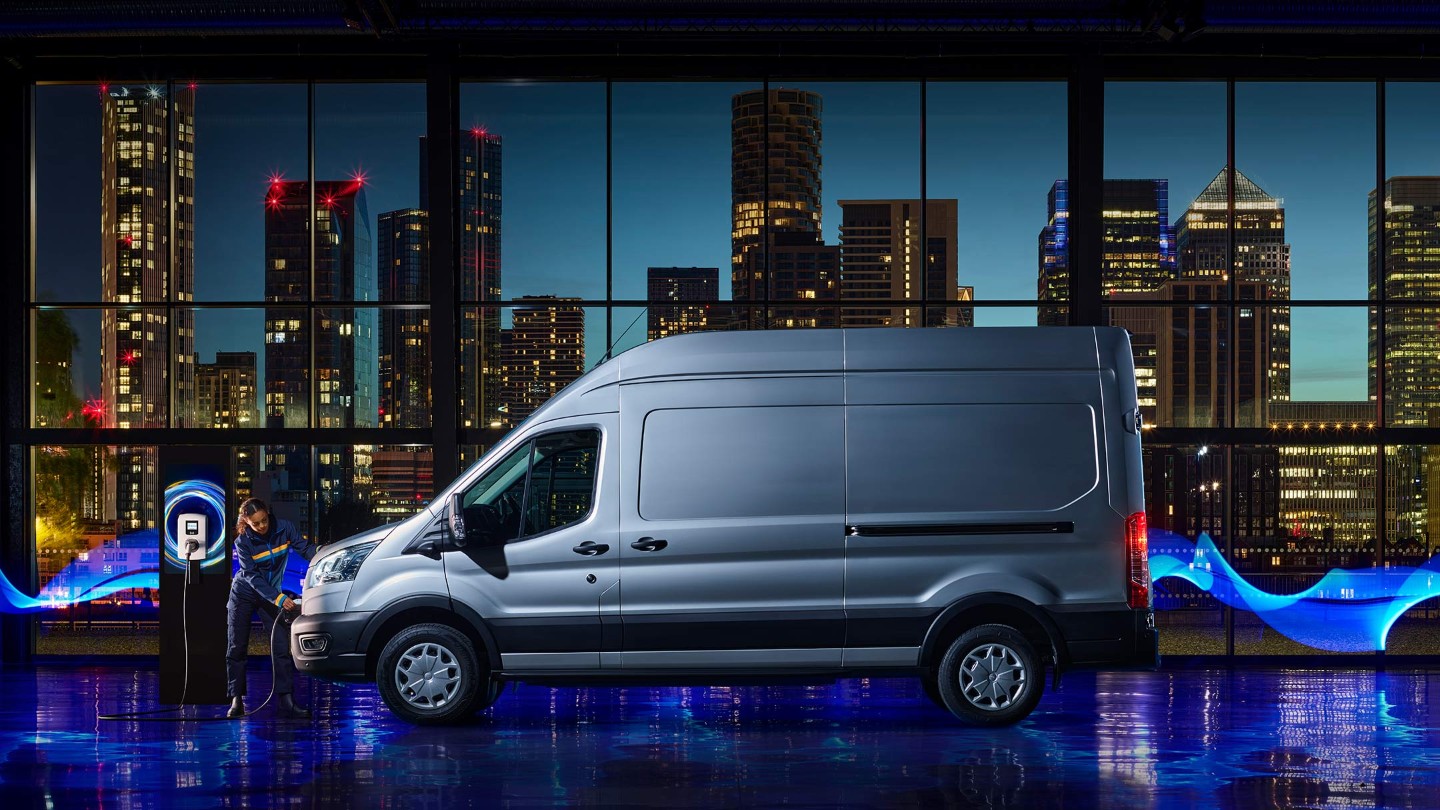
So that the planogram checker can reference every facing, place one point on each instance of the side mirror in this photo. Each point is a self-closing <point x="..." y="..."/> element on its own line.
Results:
<point x="457" y="522"/>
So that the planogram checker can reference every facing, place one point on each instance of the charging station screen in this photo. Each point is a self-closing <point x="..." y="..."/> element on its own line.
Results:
<point x="194" y="512"/>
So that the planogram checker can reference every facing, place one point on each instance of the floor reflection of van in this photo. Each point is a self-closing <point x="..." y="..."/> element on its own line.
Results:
<point x="961" y="505"/>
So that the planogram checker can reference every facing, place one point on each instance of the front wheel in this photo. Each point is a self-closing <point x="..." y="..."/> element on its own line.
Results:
<point x="429" y="674"/>
<point x="991" y="676"/>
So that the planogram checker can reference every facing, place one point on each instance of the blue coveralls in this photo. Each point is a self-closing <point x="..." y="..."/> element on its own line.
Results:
<point x="257" y="585"/>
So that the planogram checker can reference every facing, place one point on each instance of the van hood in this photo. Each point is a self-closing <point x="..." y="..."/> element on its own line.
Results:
<point x="368" y="536"/>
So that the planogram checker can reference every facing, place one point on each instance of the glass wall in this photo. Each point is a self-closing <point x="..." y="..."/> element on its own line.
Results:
<point x="263" y="263"/>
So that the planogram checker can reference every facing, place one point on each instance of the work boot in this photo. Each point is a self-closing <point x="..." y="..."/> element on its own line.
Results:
<point x="237" y="707"/>
<point x="288" y="708"/>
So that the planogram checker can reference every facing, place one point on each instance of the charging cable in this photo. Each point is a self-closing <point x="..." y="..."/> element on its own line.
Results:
<point x="145" y="716"/>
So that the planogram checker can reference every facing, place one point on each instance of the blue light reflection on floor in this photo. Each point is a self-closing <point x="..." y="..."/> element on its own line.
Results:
<point x="1202" y="738"/>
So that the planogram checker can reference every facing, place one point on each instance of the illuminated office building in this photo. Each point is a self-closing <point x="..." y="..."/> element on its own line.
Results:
<point x="544" y="351"/>
<point x="1138" y="249"/>
<point x="1261" y="256"/>
<point x="804" y="283"/>
<point x="479" y="207"/>
<point x="775" y="162"/>
<point x="343" y="384"/>
<point x="884" y="255"/>
<point x="147" y="136"/>
<point x="1411" y="271"/>
<point x="1193" y="363"/>
<point x="403" y="270"/>
<point x="228" y="397"/>
<point x="681" y="300"/>
<point x="1328" y="492"/>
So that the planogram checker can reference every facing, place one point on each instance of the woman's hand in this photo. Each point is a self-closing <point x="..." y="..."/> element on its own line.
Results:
<point x="288" y="605"/>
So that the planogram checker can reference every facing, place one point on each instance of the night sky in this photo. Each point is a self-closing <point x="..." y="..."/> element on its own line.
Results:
<point x="996" y="147"/>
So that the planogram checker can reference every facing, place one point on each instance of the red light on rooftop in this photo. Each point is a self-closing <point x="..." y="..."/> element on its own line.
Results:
<point x="328" y="200"/>
<point x="192" y="85"/>
<point x="104" y="89"/>
<point x="359" y="177"/>
<point x="94" y="410"/>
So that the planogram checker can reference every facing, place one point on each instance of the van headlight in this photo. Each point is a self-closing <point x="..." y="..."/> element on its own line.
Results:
<point x="342" y="566"/>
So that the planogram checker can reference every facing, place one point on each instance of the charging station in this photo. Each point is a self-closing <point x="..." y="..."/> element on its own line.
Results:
<point x="195" y="554"/>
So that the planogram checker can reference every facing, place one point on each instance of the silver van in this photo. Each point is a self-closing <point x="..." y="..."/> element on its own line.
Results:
<point x="961" y="505"/>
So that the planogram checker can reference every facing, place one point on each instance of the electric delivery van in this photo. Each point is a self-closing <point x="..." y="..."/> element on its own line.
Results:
<point x="960" y="505"/>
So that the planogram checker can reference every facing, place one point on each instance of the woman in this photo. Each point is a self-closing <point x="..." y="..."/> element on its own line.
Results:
<point x="262" y="545"/>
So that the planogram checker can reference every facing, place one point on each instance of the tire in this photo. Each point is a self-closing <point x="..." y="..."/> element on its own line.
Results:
<point x="931" y="685"/>
<point x="429" y="675"/>
<point x="968" y="692"/>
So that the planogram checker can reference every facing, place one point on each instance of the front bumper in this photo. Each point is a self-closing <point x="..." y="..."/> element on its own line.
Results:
<point x="1107" y="636"/>
<point x="328" y="645"/>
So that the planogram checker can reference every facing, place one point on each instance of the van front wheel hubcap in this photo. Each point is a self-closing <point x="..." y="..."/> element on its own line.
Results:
<point x="427" y="676"/>
<point x="992" y="676"/>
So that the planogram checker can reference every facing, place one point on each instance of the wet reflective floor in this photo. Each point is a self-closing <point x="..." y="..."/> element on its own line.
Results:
<point x="1185" y="738"/>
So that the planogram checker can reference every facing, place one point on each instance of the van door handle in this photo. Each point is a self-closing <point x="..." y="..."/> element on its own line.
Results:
<point x="648" y="544"/>
<point x="590" y="548"/>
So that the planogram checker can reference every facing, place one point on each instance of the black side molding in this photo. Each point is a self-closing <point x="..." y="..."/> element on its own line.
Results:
<point x="933" y="529"/>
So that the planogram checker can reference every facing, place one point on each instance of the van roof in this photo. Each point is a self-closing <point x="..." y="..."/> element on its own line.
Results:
<point x="811" y="351"/>
<point x="854" y="350"/>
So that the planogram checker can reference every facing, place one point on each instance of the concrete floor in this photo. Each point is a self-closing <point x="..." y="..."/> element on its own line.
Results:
<point x="1182" y="738"/>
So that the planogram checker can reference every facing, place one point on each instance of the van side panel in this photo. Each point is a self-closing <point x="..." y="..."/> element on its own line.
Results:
<point x="965" y="482"/>
<point x="742" y="479"/>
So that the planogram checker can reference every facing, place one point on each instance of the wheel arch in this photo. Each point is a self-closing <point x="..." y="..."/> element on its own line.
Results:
<point x="413" y="610"/>
<point x="993" y="608"/>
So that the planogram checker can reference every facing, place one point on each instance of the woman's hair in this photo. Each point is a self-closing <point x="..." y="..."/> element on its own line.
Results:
<point x="247" y="508"/>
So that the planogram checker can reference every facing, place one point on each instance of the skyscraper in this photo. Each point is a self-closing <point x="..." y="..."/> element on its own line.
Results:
<point x="804" y="282"/>
<point x="403" y="270"/>
<point x="1138" y="248"/>
<point x="343" y="386"/>
<point x="142" y="147"/>
<point x="227" y="391"/>
<point x="479" y="208"/>
<point x="774" y="182"/>
<point x="882" y="257"/>
<point x="1261" y="256"/>
<point x="1193" y="368"/>
<point x="544" y="352"/>
<point x="1410" y="271"/>
<point x="680" y="300"/>
<point x="1328" y="492"/>
<point x="1138" y="257"/>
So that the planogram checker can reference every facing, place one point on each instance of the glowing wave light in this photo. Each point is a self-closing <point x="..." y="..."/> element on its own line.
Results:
<point x="83" y="581"/>
<point x="1346" y="611"/>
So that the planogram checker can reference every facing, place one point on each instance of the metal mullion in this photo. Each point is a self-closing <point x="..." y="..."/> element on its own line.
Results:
<point x="442" y="128"/>
<point x="311" y="319"/>
<point x="1230" y="374"/>
<point x="171" y="288"/>
<point x="765" y="215"/>
<point x="924" y="209"/>
<point x="17" y="202"/>
<point x="1382" y="217"/>
<point x="609" y="215"/>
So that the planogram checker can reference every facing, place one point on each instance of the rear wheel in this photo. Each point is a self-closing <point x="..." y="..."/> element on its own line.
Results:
<point x="991" y="676"/>
<point x="429" y="674"/>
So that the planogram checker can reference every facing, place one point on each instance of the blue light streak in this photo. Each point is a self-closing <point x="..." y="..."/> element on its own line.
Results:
<point x="1346" y="611"/>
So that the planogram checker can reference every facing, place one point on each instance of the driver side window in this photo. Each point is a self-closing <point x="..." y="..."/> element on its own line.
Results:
<point x="547" y="483"/>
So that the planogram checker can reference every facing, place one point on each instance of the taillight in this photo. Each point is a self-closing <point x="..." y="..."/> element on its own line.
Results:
<point x="1137" y="556"/>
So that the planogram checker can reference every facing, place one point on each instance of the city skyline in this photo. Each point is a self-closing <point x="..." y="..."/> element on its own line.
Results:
<point x="234" y="141"/>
